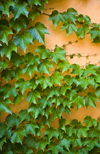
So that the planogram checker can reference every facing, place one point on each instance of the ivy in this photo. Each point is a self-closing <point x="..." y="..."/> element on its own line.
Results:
<point x="53" y="86"/>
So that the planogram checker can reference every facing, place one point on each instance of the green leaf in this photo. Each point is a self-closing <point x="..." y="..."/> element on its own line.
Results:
<point x="71" y="14"/>
<point x="6" y="151"/>
<point x="22" y="40"/>
<point x="29" y="151"/>
<point x="7" y="49"/>
<point x="44" y="53"/>
<point x="44" y="82"/>
<point x="4" y="32"/>
<point x="30" y="127"/>
<point x="2" y="141"/>
<point x="31" y="59"/>
<point x="90" y="99"/>
<point x="22" y="84"/>
<point x="4" y="105"/>
<point x="29" y="141"/>
<point x="44" y="102"/>
<point x="4" y="64"/>
<point x="65" y="143"/>
<point x="32" y="83"/>
<point x="82" y="30"/>
<point x="36" y="2"/>
<point x="45" y="66"/>
<point x="82" y="132"/>
<point x="76" y="142"/>
<point x="55" y="148"/>
<point x="58" y="53"/>
<point x="95" y="33"/>
<point x="57" y="100"/>
<point x="18" y="135"/>
<point x="33" y="14"/>
<point x="64" y="65"/>
<point x="56" y="17"/>
<point x="20" y="8"/>
<point x="89" y="121"/>
<point x="51" y="132"/>
<point x="30" y="69"/>
<point x="62" y="124"/>
<point x="7" y="74"/>
<point x="24" y="115"/>
<point x="35" y="110"/>
<point x="8" y="90"/>
<point x="12" y="119"/>
<point x="85" y="82"/>
<point x="90" y="69"/>
<point x="64" y="89"/>
<point x="69" y="27"/>
<point x="3" y="128"/>
<point x="54" y="91"/>
<point x="42" y="144"/>
<point x="18" y="24"/>
<point x="18" y="98"/>
<point x="77" y="70"/>
<point x="7" y="4"/>
<point x="1" y="7"/>
<point x="37" y="32"/>
<point x="68" y="79"/>
<point x="32" y="97"/>
<point x="79" y="101"/>
<point x="97" y="92"/>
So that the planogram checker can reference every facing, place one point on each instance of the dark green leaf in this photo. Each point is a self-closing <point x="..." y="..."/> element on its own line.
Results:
<point x="30" y="128"/>
<point x="3" y="128"/>
<point x="82" y="30"/>
<point x="22" y="40"/>
<point x="4" y="105"/>
<point x="90" y="99"/>
<point x="19" y="9"/>
<point x="7" y="4"/>
<point x="33" y="14"/>
<point x="97" y="92"/>
<point x="42" y="144"/>
<point x="31" y="59"/>
<point x="64" y="65"/>
<point x="58" y="53"/>
<point x="35" y="110"/>
<point x="52" y="91"/>
<point x="18" y="98"/>
<point x="12" y="119"/>
<point x="37" y="32"/>
<point x="65" y="143"/>
<point x="29" y="69"/>
<point x="79" y="101"/>
<point x="18" y="135"/>
<point x="55" y="148"/>
<point x="32" y="97"/>
<point x="36" y="2"/>
<point x="29" y="141"/>
<point x="2" y="140"/>
<point x="89" y="121"/>
<point x="44" y="53"/>
<point x="23" y="115"/>
<point x="50" y="132"/>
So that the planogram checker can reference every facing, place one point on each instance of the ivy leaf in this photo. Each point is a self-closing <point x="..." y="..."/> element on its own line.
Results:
<point x="20" y="8"/>
<point x="4" y="32"/>
<point x="79" y="101"/>
<point x="4" y="105"/>
<point x="12" y="119"/>
<point x="3" y="64"/>
<point x="7" y="74"/>
<point x="17" y="59"/>
<point x="29" y="141"/>
<point x="54" y="91"/>
<point x="22" y="40"/>
<point x="8" y="90"/>
<point x="58" y="53"/>
<point x="44" y="53"/>
<point x="90" y="69"/>
<point x="85" y="82"/>
<point x="51" y="132"/>
<point x="89" y="121"/>
<point x="82" y="132"/>
<point x="95" y="33"/>
<point x="44" y="66"/>
<point x="68" y="79"/>
<point x="30" y="127"/>
<point x="64" y="65"/>
<point x="18" y="98"/>
<point x="22" y="85"/>
<point x="55" y="148"/>
<point x="56" y="17"/>
<point x="69" y="27"/>
<point x="44" y="102"/>
<point x="3" y="129"/>
<point x="62" y="124"/>
<point x="6" y="151"/>
<point x="33" y="14"/>
<point x="76" y="142"/>
<point x="18" y="24"/>
<point x="57" y="100"/>
<point x="32" y="97"/>
<point x="82" y="30"/>
<point x="2" y="141"/>
<point x="77" y="70"/>
<point x="44" y="82"/>
<point x="17" y="135"/>
<point x="65" y="143"/>
<point x="37" y="32"/>
<point x="35" y="110"/>
<point x="42" y="144"/>
<point x="23" y="115"/>
<point x="97" y="92"/>
<point x="31" y="59"/>
<point x="71" y="14"/>
<point x="36" y="2"/>
<point x="90" y="100"/>
<point x="32" y="83"/>
<point x="7" y="49"/>
<point x="30" y="69"/>
<point x="64" y="89"/>
<point x="97" y="78"/>
<point x="1" y="7"/>
<point x="7" y="4"/>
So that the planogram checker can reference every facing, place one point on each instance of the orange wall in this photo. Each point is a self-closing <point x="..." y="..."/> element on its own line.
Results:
<point x="85" y="47"/>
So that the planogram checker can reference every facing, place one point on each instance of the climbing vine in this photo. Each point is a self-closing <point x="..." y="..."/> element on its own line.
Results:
<point x="53" y="86"/>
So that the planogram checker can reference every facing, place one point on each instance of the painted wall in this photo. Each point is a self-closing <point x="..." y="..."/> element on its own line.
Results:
<point x="85" y="47"/>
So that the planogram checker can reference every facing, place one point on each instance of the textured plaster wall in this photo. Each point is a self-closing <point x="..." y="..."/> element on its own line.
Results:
<point x="85" y="47"/>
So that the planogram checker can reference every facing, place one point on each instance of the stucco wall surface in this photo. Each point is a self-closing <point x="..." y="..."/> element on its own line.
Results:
<point x="85" y="47"/>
